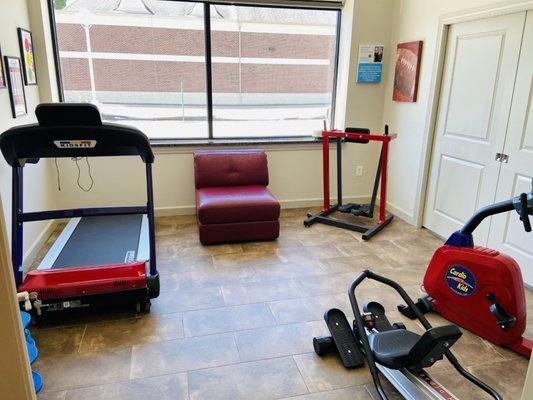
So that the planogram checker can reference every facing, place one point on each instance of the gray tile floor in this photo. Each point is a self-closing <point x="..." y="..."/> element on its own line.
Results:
<point x="236" y="322"/>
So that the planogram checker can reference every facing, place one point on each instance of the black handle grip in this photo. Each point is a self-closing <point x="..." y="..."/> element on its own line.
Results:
<point x="524" y="212"/>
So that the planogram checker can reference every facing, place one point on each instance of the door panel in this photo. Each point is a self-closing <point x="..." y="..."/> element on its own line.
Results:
<point x="447" y="203"/>
<point x="507" y="233"/>
<point x="471" y="98"/>
<point x="476" y="92"/>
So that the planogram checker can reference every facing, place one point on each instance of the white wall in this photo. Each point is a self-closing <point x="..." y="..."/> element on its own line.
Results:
<point x="295" y="170"/>
<point x="415" y="20"/>
<point x="38" y="178"/>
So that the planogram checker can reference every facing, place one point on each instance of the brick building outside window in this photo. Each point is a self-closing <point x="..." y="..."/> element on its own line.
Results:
<point x="143" y="63"/>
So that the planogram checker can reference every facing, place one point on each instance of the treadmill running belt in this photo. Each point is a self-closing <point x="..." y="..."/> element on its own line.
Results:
<point x="101" y="240"/>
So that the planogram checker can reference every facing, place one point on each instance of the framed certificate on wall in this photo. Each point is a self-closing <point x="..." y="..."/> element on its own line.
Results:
<point x="16" y="86"/>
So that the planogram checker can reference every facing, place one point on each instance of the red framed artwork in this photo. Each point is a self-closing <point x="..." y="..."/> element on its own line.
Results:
<point x="407" y="71"/>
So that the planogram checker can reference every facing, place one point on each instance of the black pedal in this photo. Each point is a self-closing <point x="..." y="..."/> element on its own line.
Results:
<point x="362" y="210"/>
<point x="347" y="208"/>
<point x="381" y="323"/>
<point x="344" y="338"/>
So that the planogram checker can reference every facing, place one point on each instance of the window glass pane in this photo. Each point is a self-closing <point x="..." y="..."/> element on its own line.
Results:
<point x="141" y="62"/>
<point x="272" y="70"/>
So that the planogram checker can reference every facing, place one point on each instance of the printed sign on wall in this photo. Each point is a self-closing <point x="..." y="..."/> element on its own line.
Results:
<point x="370" y="63"/>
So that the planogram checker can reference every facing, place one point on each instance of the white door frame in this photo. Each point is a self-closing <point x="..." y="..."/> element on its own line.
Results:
<point x="497" y="9"/>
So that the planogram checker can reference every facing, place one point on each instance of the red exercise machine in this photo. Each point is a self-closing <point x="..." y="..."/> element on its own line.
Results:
<point x="363" y="136"/>
<point x="478" y="288"/>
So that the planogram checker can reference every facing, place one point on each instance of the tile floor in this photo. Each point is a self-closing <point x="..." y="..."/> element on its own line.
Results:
<point x="236" y="322"/>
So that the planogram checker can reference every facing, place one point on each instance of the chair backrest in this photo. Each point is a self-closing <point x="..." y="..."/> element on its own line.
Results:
<point x="230" y="168"/>
<point x="433" y="344"/>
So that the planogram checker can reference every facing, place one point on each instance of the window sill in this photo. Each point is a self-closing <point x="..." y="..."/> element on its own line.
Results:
<point x="188" y="146"/>
<point x="244" y="141"/>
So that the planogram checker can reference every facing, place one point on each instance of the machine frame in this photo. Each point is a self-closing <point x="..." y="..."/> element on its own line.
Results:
<point x="324" y="216"/>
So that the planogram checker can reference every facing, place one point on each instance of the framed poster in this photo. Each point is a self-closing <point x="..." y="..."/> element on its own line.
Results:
<point x="26" y="53"/>
<point x="407" y="71"/>
<point x="370" y="63"/>
<point x="16" y="86"/>
<point x="2" y="76"/>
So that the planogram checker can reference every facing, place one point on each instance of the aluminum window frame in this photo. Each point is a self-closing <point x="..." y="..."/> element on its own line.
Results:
<point x="317" y="5"/>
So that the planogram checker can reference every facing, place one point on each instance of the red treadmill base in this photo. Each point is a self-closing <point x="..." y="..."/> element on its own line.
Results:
<point x="85" y="281"/>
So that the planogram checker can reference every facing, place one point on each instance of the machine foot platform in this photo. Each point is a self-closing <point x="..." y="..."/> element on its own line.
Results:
<point x="344" y="338"/>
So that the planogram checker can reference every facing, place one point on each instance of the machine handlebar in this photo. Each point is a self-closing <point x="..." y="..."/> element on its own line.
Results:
<point x="522" y="204"/>
<point x="524" y="207"/>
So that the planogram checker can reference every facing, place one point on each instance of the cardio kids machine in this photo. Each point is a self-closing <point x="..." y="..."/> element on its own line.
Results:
<point x="399" y="354"/>
<point x="478" y="288"/>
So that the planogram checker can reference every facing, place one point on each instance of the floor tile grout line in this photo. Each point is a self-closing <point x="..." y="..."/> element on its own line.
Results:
<point x="301" y="374"/>
<point x="369" y="392"/>
<point x="117" y="382"/>
<point x="81" y="339"/>
<point x="237" y="347"/>
<point x="364" y="386"/>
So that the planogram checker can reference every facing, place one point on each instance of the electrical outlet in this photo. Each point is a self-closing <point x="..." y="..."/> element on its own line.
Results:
<point x="359" y="170"/>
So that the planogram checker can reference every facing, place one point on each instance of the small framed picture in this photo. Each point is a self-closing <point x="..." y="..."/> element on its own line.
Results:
<point x="28" y="60"/>
<point x="16" y="86"/>
<point x="2" y="76"/>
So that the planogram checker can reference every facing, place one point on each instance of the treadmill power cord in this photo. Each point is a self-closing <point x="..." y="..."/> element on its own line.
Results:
<point x="78" y="179"/>
<point x="57" y="174"/>
<point x="76" y="159"/>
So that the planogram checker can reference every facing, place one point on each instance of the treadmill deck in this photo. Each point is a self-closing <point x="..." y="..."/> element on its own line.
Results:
<point x="97" y="241"/>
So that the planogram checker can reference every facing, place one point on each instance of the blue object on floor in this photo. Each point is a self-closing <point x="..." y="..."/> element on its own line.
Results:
<point x="37" y="381"/>
<point x="33" y="353"/>
<point x="26" y="319"/>
<point x="29" y="338"/>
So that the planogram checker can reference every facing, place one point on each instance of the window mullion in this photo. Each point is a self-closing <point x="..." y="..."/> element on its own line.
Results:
<point x="208" y="69"/>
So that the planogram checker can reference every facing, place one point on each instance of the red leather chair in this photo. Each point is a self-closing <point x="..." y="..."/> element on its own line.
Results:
<point x="232" y="201"/>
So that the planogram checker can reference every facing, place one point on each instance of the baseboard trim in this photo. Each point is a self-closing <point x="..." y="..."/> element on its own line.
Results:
<point x="38" y="243"/>
<point x="401" y="213"/>
<point x="175" y="210"/>
<point x="285" y="204"/>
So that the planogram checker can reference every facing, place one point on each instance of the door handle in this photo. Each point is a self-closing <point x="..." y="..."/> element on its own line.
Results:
<point x="501" y="157"/>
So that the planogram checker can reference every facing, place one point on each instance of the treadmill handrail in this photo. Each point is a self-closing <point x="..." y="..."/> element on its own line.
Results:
<point x="32" y="142"/>
<point x="72" y="130"/>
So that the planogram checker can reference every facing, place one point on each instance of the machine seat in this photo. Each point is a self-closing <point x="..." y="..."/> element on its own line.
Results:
<point x="400" y="348"/>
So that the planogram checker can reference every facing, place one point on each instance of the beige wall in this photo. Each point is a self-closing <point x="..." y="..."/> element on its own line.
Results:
<point x="38" y="178"/>
<point x="295" y="170"/>
<point x="416" y="20"/>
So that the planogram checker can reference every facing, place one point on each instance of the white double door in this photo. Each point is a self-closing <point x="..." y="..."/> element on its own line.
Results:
<point x="485" y="108"/>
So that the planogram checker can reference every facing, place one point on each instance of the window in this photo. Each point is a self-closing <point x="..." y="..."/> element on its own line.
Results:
<point x="181" y="70"/>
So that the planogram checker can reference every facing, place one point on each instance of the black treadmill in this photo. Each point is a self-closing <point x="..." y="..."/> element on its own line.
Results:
<point x="104" y="254"/>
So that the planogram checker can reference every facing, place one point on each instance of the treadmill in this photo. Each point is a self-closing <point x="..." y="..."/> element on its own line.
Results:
<point x="105" y="255"/>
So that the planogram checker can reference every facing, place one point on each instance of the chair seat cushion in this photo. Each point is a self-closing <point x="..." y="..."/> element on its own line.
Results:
<point x="219" y="205"/>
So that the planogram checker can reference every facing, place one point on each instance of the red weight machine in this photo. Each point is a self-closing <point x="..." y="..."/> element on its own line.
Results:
<point x="362" y="136"/>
